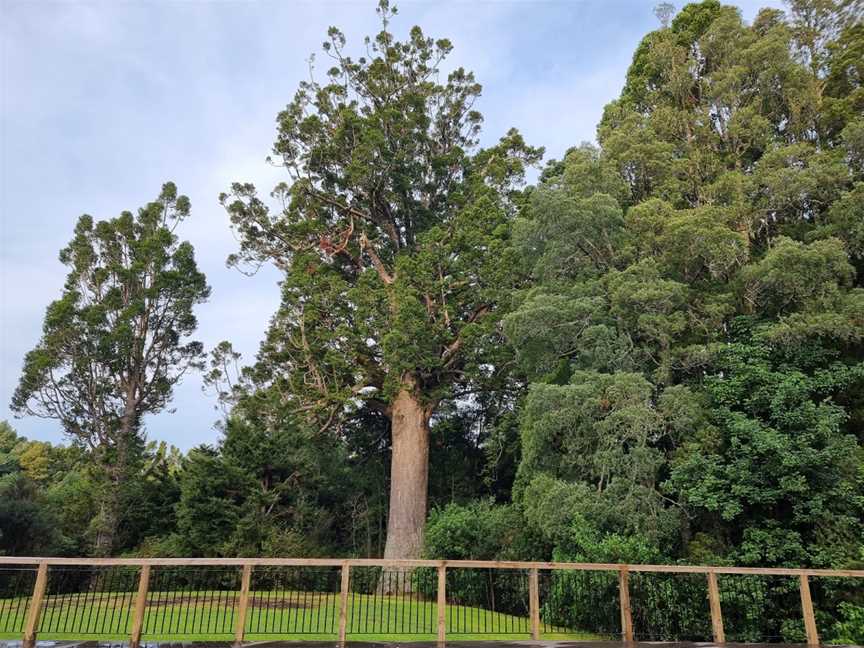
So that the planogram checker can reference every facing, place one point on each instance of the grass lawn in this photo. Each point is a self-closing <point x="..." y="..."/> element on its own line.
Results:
<point x="203" y="616"/>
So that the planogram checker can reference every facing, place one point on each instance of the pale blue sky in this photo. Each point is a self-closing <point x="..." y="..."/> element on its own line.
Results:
<point x="102" y="102"/>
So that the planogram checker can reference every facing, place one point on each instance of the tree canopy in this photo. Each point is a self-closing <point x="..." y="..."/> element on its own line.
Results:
<point x="393" y="235"/>
<point x="694" y="333"/>
<point x="114" y="344"/>
<point x="651" y="349"/>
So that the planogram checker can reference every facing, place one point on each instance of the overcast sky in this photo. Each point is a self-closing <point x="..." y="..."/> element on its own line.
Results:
<point x="102" y="102"/>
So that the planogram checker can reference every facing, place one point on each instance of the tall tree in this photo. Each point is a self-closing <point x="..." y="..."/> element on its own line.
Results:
<point x="115" y="343"/>
<point x="392" y="234"/>
<point x="723" y="280"/>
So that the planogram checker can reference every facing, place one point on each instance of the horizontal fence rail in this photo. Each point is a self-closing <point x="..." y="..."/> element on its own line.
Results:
<point x="320" y="599"/>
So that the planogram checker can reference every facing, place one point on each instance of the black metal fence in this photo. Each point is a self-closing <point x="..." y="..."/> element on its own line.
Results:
<point x="16" y="585"/>
<point x="586" y="600"/>
<point x="327" y="599"/>
<point x="88" y="601"/>
<point x="387" y="601"/>
<point x="191" y="601"/>
<point x="285" y="601"/>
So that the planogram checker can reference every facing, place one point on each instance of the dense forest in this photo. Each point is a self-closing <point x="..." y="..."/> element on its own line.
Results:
<point x="651" y="350"/>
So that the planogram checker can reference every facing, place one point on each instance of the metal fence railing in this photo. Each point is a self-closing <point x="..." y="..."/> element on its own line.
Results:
<point x="16" y="583"/>
<point x="320" y="599"/>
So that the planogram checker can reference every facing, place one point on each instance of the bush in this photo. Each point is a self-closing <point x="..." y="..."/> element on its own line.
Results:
<point x="483" y="531"/>
<point x="479" y="531"/>
<point x="850" y="628"/>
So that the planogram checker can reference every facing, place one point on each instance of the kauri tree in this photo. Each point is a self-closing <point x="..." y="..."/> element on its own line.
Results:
<point x="393" y="236"/>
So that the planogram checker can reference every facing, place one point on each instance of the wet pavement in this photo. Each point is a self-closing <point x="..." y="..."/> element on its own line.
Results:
<point x="392" y="644"/>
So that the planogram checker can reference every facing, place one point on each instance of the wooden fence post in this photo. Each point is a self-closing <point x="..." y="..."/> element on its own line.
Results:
<point x="140" y="606"/>
<point x="36" y="604"/>
<point x="242" y="604"/>
<point x="343" y="602"/>
<point x="442" y="603"/>
<point x="534" y="602"/>
<point x="624" y="597"/>
<point x="807" y="609"/>
<point x="716" y="609"/>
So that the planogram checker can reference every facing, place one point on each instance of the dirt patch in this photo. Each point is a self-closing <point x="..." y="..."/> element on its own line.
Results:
<point x="228" y="600"/>
<point x="277" y="604"/>
<point x="225" y="599"/>
<point x="261" y="601"/>
<point x="75" y="599"/>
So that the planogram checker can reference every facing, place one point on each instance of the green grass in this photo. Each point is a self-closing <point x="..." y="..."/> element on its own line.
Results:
<point x="209" y="616"/>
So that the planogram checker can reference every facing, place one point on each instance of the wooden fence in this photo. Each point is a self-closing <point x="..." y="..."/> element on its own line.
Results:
<point x="133" y="590"/>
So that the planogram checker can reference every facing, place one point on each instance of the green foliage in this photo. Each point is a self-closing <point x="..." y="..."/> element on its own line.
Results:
<point x="850" y="628"/>
<point x="480" y="530"/>
<point x="844" y="221"/>
<point x="695" y="342"/>
<point x="209" y="506"/>
<point x="794" y="277"/>
<point x="264" y="491"/>
<point x="25" y="523"/>
<point x="393" y="232"/>
<point x="113" y="346"/>
<point x="591" y="455"/>
<point x="784" y="478"/>
<point x="52" y="496"/>
<point x="656" y="354"/>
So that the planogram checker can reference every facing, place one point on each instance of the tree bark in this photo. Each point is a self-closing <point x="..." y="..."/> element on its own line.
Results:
<point x="409" y="473"/>
<point x="116" y="476"/>
<point x="109" y="517"/>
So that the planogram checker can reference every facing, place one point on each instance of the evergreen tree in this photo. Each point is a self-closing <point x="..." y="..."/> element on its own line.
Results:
<point x="695" y="330"/>
<point x="115" y="343"/>
<point x="393" y="237"/>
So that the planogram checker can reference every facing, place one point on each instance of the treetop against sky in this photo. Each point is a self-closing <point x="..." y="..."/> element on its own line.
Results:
<point x="126" y="96"/>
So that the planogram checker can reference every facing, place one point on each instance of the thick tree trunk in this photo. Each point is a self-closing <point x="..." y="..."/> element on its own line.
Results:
<point x="409" y="474"/>
<point x="109" y="518"/>
<point x="116" y="475"/>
